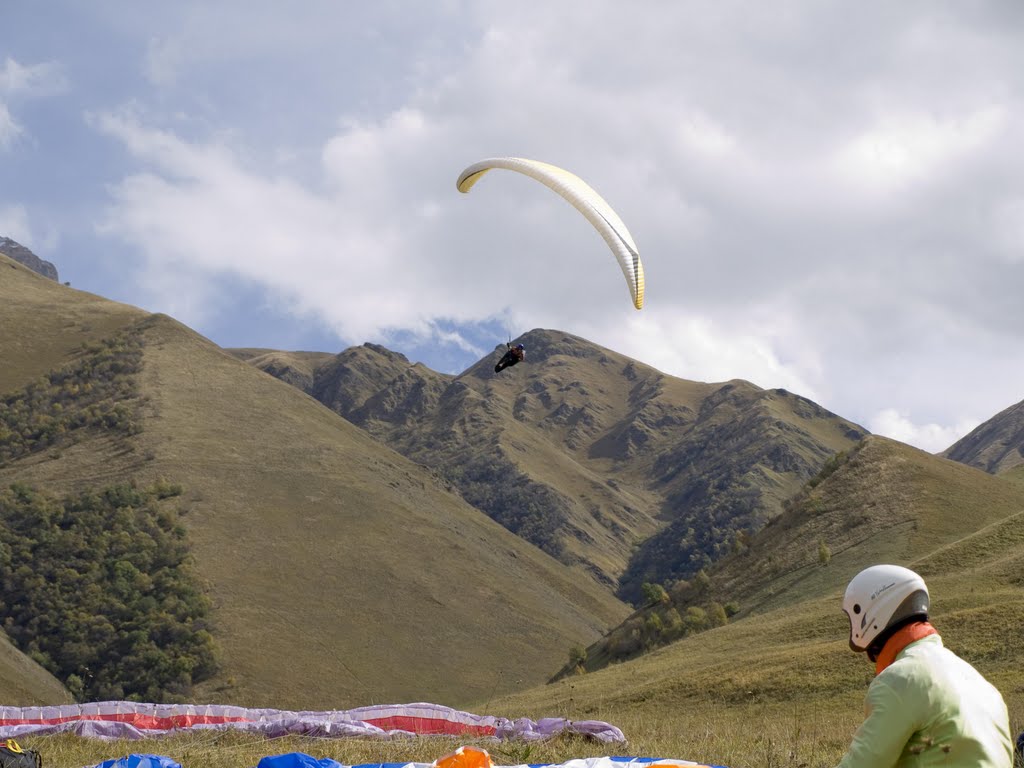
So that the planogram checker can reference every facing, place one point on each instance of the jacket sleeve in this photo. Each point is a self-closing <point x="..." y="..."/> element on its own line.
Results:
<point x="891" y="720"/>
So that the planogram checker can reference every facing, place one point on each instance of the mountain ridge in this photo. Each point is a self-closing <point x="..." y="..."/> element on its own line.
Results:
<point x="339" y="571"/>
<point x="610" y="448"/>
<point x="996" y="445"/>
<point x="24" y="256"/>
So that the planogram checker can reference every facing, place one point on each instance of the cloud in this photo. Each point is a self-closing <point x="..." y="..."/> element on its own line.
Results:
<point x="19" y="82"/>
<point x="37" y="79"/>
<point x="9" y="129"/>
<point x="694" y="347"/>
<point x="41" y="80"/>
<point x="1007" y="222"/>
<point x="931" y="437"/>
<point x="14" y="224"/>
<point x="825" y="200"/>
<point x="911" y="148"/>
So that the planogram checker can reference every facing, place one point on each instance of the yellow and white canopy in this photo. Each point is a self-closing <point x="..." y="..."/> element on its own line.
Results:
<point x="584" y="199"/>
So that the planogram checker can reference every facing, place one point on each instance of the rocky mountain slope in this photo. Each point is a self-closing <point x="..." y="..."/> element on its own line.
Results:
<point x="995" y="446"/>
<point x="340" y="573"/>
<point x="605" y="463"/>
<point x="24" y="256"/>
<point x="881" y="502"/>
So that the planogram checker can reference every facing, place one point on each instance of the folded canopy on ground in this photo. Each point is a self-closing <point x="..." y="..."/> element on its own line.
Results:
<point x="302" y="760"/>
<point x="134" y="720"/>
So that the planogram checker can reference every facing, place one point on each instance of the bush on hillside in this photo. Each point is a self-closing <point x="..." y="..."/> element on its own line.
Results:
<point x="528" y="509"/>
<point x="98" y="390"/>
<point x="99" y="589"/>
<point x="709" y="519"/>
<point x="658" y="624"/>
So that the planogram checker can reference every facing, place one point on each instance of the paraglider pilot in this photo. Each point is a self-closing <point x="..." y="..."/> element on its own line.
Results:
<point x="514" y="355"/>
<point x="925" y="705"/>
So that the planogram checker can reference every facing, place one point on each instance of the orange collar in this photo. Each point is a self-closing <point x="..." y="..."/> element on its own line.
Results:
<point x="900" y="640"/>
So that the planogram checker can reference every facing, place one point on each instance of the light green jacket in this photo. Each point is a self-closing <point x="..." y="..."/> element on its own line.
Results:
<point x="931" y="708"/>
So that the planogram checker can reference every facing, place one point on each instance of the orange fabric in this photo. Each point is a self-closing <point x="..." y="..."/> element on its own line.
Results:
<point x="465" y="757"/>
<point x="900" y="640"/>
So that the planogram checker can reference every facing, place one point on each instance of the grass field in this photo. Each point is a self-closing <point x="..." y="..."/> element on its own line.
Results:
<point x="780" y="689"/>
<point x="341" y="572"/>
<point x="757" y="735"/>
<point x="753" y="737"/>
<point x="775" y="687"/>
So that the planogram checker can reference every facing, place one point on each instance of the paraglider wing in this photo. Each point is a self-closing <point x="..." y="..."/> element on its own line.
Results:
<point x="136" y="720"/>
<point x="584" y="199"/>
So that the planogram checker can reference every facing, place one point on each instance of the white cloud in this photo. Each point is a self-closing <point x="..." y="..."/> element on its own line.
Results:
<point x="931" y="437"/>
<point x="909" y="148"/>
<point x="9" y="129"/>
<point x="19" y="82"/>
<point x="817" y="193"/>
<point x="1008" y="229"/>
<point x="14" y="224"/>
<point x="690" y="346"/>
<point x="163" y="59"/>
<point x="44" y="79"/>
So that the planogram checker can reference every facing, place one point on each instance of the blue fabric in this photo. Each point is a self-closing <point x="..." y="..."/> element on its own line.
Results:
<point x="140" y="761"/>
<point x="297" y="760"/>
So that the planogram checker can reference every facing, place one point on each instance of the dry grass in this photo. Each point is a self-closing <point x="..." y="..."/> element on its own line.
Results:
<point x="759" y="737"/>
<point x="43" y="322"/>
<point x="294" y="513"/>
<point x="342" y="574"/>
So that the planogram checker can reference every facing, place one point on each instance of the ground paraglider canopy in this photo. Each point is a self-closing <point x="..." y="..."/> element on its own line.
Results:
<point x="582" y="197"/>
<point x="115" y="720"/>
<point x="135" y="720"/>
<point x="464" y="757"/>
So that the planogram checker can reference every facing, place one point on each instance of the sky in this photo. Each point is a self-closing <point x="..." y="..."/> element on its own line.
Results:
<point x="827" y="196"/>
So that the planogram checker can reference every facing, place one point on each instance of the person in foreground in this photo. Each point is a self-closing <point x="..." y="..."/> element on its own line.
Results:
<point x="926" y="706"/>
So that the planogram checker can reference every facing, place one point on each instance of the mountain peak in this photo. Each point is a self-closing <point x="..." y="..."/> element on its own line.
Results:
<point x="995" y="446"/>
<point x="26" y="258"/>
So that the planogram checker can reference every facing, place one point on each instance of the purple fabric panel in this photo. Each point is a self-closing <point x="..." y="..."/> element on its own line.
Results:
<point x="106" y="720"/>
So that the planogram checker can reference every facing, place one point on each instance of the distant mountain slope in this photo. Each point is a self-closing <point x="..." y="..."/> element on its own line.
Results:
<point x="887" y="502"/>
<point x="995" y="446"/>
<point x="341" y="573"/>
<point x="962" y="528"/>
<point x="604" y="462"/>
<point x="295" y="368"/>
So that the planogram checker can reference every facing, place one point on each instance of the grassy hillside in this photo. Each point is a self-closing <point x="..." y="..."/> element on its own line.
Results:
<point x="882" y="502"/>
<point x="23" y="682"/>
<point x="777" y="686"/>
<point x="781" y="671"/>
<point x="340" y="573"/>
<point x="605" y="463"/>
<point x="885" y="502"/>
<point x="297" y="368"/>
<point x="43" y="323"/>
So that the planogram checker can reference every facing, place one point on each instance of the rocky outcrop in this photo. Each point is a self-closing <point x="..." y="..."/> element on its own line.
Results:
<point x="24" y="256"/>
<point x="995" y="446"/>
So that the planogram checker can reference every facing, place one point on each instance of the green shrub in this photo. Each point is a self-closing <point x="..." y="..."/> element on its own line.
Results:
<point x="824" y="553"/>
<point x="654" y="594"/>
<point x="98" y="391"/>
<point x="99" y="589"/>
<point x="527" y="508"/>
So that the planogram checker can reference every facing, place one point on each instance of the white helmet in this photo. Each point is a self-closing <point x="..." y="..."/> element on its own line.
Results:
<point x="880" y="597"/>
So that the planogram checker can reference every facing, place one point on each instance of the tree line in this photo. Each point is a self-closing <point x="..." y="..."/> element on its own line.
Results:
<point x="97" y="390"/>
<point x="99" y="589"/>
